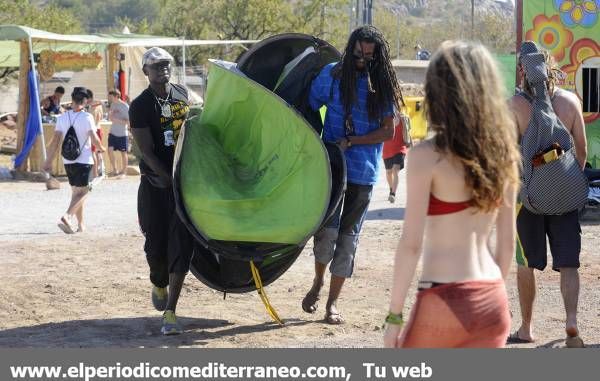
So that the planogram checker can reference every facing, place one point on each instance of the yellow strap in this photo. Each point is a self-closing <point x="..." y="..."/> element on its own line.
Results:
<point x="263" y="294"/>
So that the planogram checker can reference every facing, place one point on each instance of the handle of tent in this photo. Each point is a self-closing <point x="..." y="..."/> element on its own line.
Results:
<point x="263" y="294"/>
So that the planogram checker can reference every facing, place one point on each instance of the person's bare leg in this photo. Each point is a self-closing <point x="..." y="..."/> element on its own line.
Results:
<point x="111" y="158"/>
<point x="100" y="162"/>
<point x="527" y="291"/>
<point x="569" y="288"/>
<point x="389" y="176"/>
<point x="79" y="215"/>
<point x="395" y="171"/>
<point x="77" y="198"/>
<point x="78" y="195"/>
<point x="95" y="165"/>
<point x="124" y="161"/>
<point x="333" y="315"/>
<point x="309" y="303"/>
<point x="175" y="285"/>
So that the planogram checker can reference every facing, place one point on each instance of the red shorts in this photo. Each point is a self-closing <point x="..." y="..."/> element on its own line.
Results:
<point x="99" y="133"/>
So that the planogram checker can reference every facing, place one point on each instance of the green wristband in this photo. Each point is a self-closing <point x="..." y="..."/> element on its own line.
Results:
<point x="395" y="319"/>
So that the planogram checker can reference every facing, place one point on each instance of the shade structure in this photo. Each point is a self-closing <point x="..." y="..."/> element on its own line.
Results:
<point x="253" y="181"/>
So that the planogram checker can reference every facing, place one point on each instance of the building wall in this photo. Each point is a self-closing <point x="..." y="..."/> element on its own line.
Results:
<point x="410" y="71"/>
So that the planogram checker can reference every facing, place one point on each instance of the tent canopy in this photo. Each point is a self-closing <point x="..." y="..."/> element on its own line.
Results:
<point x="81" y="43"/>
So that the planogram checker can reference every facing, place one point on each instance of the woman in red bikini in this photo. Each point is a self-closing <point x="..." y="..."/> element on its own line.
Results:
<point x="460" y="184"/>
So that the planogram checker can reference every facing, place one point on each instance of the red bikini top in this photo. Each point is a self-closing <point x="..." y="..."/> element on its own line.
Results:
<point x="438" y="207"/>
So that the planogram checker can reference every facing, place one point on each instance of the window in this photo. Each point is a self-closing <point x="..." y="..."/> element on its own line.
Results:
<point x="591" y="89"/>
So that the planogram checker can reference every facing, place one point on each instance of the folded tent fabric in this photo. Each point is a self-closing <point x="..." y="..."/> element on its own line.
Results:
<point x="259" y="174"/>
<point x="221" y="260"/>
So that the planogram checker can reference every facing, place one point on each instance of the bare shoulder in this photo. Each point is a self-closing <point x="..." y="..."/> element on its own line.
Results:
<point x="517" y="103"/>
<point x="423" y="155"/>
<point x="567" y="98"/>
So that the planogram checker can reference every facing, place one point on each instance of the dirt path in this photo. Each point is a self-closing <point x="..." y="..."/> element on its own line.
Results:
<point x="92" y="289"/>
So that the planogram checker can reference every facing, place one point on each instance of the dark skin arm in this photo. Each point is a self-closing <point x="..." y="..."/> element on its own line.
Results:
<point x="145" y="142"/>
<point x="383" y="133"/>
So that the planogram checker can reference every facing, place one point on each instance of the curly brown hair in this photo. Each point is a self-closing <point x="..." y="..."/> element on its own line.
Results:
<point x="467" y="109"/>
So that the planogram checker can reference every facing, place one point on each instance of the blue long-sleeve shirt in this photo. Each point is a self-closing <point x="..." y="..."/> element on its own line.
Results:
<point x="362" y="160"/>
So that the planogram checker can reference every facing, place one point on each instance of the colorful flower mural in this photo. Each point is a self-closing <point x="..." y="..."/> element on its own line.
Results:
<point x="550" y="34"/>
<point x="578" y="12"/>
<point x="580" y="51"/>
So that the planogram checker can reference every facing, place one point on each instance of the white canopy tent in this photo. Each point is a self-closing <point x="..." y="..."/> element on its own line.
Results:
<point x="18" y="44"/>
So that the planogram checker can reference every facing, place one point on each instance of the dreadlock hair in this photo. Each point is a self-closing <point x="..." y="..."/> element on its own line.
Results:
<point x="381" y="79"/>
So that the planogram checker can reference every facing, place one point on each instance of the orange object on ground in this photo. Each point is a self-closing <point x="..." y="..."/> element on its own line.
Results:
<point x="471" y="314"/>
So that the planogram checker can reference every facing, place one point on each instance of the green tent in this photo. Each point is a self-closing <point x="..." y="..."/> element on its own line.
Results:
<point x="253" y="179"/>
<point x="257" y="167"/>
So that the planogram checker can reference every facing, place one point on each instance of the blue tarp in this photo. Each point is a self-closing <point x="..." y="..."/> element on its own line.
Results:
<point x="34" y="123"/>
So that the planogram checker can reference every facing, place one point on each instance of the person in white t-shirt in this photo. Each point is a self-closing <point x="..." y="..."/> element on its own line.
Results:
<point x="78" y="170"/>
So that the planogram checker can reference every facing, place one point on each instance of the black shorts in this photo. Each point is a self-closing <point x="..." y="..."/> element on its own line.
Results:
<point x="564" y="235"/>
<point x="78" y="174"/>
<point x="396" y="159"/>
<point x="118" y="143"/>
<point x="169" y="246"/>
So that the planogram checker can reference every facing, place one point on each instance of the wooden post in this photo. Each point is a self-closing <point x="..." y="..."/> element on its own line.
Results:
<point x="23" y="107"/>
<point x="111" y="66"/>
<point x="519" y="20"/>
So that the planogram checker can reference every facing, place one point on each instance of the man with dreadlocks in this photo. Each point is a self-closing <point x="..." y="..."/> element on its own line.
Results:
<point x="360" y="92"/>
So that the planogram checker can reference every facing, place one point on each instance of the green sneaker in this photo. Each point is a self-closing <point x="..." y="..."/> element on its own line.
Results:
<point x="160" y="295"/>
<point x="170" y="325"/>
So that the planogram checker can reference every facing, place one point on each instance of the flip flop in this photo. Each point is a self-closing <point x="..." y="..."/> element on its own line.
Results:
<point x="309" y="303"/>
<point x="64" y="225"/>
<point x="573" y="339"/>
<point x="514" y="338"/>
<point x="574" y="342"/>
<point x="334" y="318"/>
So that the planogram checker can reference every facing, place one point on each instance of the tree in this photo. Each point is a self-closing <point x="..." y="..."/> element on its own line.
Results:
<point x="103" y="16"/>
<point x="326" y="19"/>
<point x="250" y="19"/>
<point x="51" y="18"/>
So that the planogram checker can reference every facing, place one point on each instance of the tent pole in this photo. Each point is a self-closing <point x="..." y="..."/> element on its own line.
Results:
<point x="183" y="59"/>
<point x="23" y="108"/>
<point x="38" y="110"/>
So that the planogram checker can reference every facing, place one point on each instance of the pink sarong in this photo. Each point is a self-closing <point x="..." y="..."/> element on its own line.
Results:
<point x="471" y="314"/>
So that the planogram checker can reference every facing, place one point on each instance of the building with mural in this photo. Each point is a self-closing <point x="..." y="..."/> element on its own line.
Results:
<point x="570" y="31"/>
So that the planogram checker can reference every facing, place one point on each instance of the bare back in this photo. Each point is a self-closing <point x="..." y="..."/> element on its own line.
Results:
<point x="567" y="107"/>
<point x="455" y="247"/>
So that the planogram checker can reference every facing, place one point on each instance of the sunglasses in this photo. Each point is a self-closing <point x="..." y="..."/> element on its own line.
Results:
<point x="360" y="57"/>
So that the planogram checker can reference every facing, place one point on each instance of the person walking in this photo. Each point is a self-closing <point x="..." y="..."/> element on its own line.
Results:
<point x="77" y="167"/>
<point x="460" y="183"/>
<point x="157" y="116"/>
<point x="360" y="92"/>
<point x="563" y="230"/>
<point x="394" y="152"/>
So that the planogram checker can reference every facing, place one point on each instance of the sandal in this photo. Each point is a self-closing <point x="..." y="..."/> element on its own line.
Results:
<point x="334" y="318"/>
<point x="573" y="339"/>
<point x="514" y="338"/>
<point x="65" y="226"/>
<point x="309" y="303"/>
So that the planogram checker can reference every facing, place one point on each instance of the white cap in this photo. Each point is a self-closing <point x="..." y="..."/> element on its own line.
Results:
<point x="154" y="55"/>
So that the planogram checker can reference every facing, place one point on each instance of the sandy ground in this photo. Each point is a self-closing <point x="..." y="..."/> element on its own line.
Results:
<point x="92" y="289"/>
